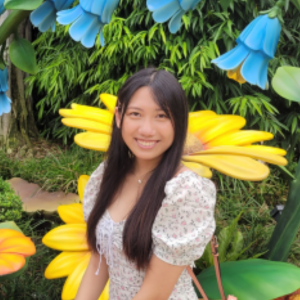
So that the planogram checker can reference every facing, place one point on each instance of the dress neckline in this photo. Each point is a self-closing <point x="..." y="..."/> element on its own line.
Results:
<point x="168" y="182"/>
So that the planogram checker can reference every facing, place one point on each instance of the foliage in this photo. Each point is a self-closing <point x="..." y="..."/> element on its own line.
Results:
<point x="54" y="171"/>
<point x="251" y="279"/>
<point x="70" y="73"/>
<point x="231" y="246"/>
<point x="10" y="203"/>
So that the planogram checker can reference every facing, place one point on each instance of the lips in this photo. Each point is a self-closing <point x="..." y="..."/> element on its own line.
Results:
<point x="146" y="144"/>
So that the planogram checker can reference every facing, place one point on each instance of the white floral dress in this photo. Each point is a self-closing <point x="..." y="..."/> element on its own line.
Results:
<point x="182" y="228"/>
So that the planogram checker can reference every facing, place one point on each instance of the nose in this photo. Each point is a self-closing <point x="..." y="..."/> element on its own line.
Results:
<point x="147" y="127"/>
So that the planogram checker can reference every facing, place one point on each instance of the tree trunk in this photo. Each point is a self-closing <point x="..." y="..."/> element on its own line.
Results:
<point x="18" y="126"/>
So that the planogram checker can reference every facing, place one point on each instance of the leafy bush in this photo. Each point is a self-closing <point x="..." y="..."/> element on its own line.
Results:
<point x="71" y="73"/>
<point x="10" y="203"/>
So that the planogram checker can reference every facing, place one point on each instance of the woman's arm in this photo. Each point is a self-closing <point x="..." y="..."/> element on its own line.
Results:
<point x="92" y="285"/>
<point x="159" y="281"/>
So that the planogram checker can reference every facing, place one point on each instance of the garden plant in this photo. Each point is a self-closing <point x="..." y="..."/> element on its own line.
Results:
<point x="77" y="66"/>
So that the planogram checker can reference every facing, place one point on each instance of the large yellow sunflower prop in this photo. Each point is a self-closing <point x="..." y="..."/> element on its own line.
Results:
<point x="213" y="141"/>
<point x="71" y="239"/>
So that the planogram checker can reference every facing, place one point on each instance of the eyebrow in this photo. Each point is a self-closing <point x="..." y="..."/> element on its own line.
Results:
<point x="137" y="108"/>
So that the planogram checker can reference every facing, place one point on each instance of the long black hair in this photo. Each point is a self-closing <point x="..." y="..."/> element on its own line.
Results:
<point x="137" y="238"/>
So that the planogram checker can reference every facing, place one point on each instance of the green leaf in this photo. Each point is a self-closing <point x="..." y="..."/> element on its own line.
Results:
<point x="22" y="55"/>
<point x="251" y="279"/>
<point x="13" y="226"/>
<point x="22" y="4"/>
<point x="226" y="236"/>
<point x="296" y="3"/>
<point x="286" y="83"/>
<point x="288" y="225"/>
<point x="225" y="4"/>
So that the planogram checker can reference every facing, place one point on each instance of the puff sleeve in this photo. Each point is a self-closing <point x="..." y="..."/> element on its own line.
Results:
<point x="91" y="190"/>
<point x="185" y="223"/>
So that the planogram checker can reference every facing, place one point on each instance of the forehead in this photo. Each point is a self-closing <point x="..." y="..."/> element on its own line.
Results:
<point x="144" y="100"/>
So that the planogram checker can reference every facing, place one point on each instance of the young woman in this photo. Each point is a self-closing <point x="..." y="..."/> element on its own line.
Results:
<point x="148" y="216"/>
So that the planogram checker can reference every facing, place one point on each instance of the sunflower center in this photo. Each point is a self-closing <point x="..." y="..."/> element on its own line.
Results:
<point x="192" y="144"/>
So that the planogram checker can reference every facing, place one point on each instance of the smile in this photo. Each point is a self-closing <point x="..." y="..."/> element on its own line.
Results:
<point x="146" y="144"/>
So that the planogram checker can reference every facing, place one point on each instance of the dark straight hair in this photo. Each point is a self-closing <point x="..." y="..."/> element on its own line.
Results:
<point x="137" y="238"/>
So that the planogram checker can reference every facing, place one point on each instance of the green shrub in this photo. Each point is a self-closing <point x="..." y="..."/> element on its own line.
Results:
<point x="10" y="203"/>
<point x="71" y="73"/>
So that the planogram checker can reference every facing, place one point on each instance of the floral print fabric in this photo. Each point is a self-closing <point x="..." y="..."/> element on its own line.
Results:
<point x="182" y="228"/>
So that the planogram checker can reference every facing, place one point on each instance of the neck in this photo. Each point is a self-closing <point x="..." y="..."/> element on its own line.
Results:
<point x="142" y="167"/>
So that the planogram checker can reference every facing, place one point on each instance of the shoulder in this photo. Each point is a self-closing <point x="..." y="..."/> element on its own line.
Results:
<point x="92" y="189"/>
<point x="190" y="187"/>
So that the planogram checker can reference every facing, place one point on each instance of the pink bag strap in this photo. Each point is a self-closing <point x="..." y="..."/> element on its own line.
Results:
<point x="214" y="247"/>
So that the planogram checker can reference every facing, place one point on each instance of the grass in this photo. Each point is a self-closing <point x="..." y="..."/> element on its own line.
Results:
<point x="59" y="169"/>
<point x="54" y="171"/>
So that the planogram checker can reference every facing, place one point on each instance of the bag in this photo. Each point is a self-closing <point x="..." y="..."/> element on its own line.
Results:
<point x="214" y="247"/>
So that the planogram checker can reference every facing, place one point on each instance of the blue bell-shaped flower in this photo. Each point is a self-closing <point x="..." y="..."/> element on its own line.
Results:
<point x="5" y="105"/>
<point x="170" y="10"/>
<point x="2" y="8"/>
<point x="256" y="46"/>
<point x="88" y="19"/>
<point x="44" y="16"/>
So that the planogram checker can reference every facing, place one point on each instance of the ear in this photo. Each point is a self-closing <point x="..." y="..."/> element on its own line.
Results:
<point x="118" y="117"/>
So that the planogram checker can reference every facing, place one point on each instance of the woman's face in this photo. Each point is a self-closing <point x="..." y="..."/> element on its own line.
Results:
<point x="146" y="129"/>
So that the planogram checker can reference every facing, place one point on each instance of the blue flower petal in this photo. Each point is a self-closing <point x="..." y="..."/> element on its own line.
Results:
<point x="87" y="4"/>
<point x="5" y="105"/>
<point x="272" y="37"/>
<point x="3" y="80"/>
<point x="40" y="14"/>
<point x="90" y="35"/>
<point x="233" y="58"/>
<point x="244" y="34"/>
<point x="255" y="69"/>
<point x="109" y="8"/>
<point x="66" y="17"/>
<point x="157" y="4"/>
<point x="175" y="22"/>
<point x="188" y="4"/>
<point x="48" y="22"/>
<point x="63" y="4"/>
<point x="255" y="38"/>
<point x="93" y="6"/>
<point x="84" y="26"/>
<point x="164" y="13"/>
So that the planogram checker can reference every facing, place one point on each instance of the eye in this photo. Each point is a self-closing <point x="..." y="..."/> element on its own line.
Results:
<point x="134" y="114"/>
<point x="162" y="116"/>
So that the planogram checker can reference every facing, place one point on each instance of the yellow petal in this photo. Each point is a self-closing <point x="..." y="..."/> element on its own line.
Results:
<point x="87" y="125"/>
<point x="110" y="101"/>
<point x="268" y="149"/>
<point x="226" y="124"/>
<point x="105" y="293"/>
<point x="71" y="213"/>
<point x="64" y="264"/>
<point x="18" y="245"/>
<point x="102" y="115"/>
<point x="82" y="181"/>
<point x="239" y="167"/>
<point x="199" y="169"/>
<point x="200" y="114"/>
<point x="9" y="233"/>
<point x="254" y="153"/>
<point x="197" y="124"/>
<point x="10" y="263"/>
<point x="73" y="281"/>
<point x="240" y="138"/>
<point x="70" y="237"/>
<point x="88" y="109"/>
<point x="93" y="141"/>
